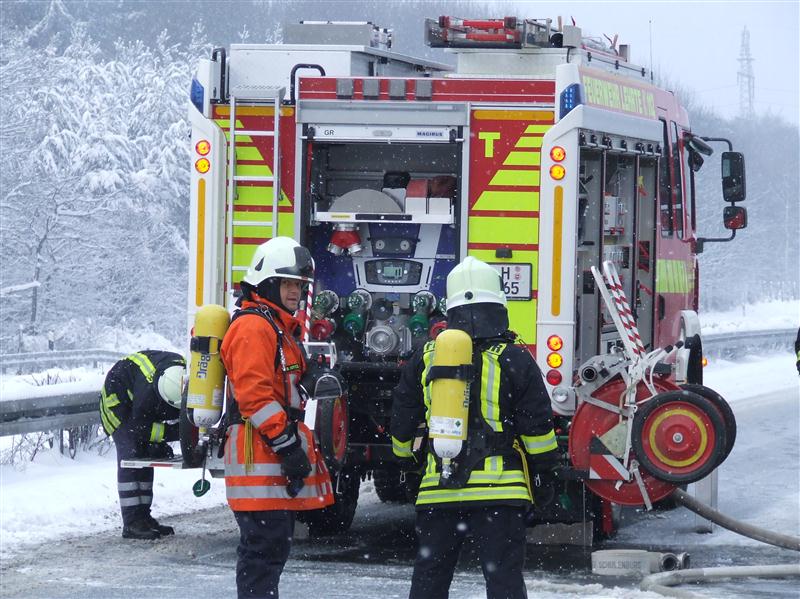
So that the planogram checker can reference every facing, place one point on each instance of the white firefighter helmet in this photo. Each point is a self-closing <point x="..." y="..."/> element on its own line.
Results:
<point x="474" y="282"/>
<point x="170" y="385"/>
<point x="280" y="257"/>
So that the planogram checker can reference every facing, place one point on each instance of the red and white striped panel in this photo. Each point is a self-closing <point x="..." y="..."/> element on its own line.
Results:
<point x="606" y="467"/>
<point x="623" y="307"/>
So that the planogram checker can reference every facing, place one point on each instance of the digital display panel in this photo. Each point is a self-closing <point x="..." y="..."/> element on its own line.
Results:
<point x="393" y="272"/>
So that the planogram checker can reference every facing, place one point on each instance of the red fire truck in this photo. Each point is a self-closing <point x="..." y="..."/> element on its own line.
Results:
<point x="544" y="153"/>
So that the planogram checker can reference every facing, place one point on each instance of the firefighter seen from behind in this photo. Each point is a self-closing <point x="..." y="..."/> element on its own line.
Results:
<point x="477" y="481"/>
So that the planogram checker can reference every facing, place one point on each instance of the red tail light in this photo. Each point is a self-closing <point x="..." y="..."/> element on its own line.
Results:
<point x="553" y="377"/>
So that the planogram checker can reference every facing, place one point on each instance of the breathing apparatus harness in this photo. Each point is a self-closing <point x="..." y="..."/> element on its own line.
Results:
<point x="293" y="415"/>
<point x="482" y="441"/>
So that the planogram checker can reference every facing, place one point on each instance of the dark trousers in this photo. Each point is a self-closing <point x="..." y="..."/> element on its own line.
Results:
<point x="498" y="533"/>
<point x="265" y="539"/>
<point x="134" y="485"/>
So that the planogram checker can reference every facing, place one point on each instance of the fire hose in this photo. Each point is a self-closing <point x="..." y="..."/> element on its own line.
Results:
<point x="742" y="528"/>
<point x="662" y="581"/>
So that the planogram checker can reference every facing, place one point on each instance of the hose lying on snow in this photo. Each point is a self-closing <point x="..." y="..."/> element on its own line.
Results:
<point x="660" y="583"/>
<point x="748" y="530"/>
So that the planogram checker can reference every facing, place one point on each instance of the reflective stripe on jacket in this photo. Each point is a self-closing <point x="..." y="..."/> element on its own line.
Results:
<point x="262" y="393"/>
<point x="130" y="396"/>
<point x="262" y="486"/>
<point x="508" y="395"/>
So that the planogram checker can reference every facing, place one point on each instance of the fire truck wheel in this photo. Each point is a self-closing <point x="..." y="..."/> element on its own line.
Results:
<point x="678" y="437"/>
<point x="333" y="418"/>
<point x="724" y="410"/>
<point x="388" y="486"/>
<point x="336" y="518"/>
<point x="192" y="458"/>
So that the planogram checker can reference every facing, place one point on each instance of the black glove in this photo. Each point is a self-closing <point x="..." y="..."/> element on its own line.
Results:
<point x="294" y="461"/>
<point x="159" y="451"/>
<point x="544" y="471"/>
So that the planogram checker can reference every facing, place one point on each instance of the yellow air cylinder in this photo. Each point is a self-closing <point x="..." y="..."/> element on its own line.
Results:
<point x="449" y="397"/>
<point x="206" y="372"/>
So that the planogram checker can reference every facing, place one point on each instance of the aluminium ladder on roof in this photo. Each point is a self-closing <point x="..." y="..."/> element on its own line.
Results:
<point x="252" y="95"/>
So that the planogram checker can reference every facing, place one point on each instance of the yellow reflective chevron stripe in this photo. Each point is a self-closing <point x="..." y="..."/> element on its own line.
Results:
<point x="674" y="276"/>
<point x="402" y="449"/>
<point x="490" y="386"/>
<point x="434" y="496"/>
<point x="540" y="129"/>
<point x="108" y="418"/>
<point x="479" y="477"/>
<point x="535" y="444"/>
<point x="509" y="201"/>
<point x="157" y="432"/>
<point x="522" y="158"/>
<point x="247" y="153"/>
<point x="529" y="142"/>
<point x="517" y="178"/>
<point x="144" y="364"/>
<point x="427" y="362"/>
<point x="487" y="229"/>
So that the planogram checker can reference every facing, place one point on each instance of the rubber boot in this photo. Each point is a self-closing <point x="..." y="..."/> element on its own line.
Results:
<point x="162" y="529"/>
<point x="141" y="530"/>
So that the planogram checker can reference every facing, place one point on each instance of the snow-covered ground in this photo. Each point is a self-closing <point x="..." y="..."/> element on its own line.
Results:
<point x="753" y="317"/>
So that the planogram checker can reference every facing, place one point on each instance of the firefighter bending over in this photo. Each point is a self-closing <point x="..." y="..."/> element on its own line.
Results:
<point x="139" y="407"/>
<point x="272" y="467"/>
<point x="485" y="487"/>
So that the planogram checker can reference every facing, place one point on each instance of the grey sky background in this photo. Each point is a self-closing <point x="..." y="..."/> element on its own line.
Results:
<point x="697" y="43"/>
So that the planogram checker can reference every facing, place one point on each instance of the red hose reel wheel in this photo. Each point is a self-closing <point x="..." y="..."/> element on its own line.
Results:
<point x="333" y="420"/>
<point x="678" y="437"/>
<point x="724" y="410"/>
<point x="592" y="421"/>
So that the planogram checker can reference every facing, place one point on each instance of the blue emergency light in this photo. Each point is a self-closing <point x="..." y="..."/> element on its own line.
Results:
<point x="196" y="94"/>
<point x="570" y="98"/>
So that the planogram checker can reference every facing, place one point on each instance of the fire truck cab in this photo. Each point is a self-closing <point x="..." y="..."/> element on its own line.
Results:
<point x="542" y="152"/>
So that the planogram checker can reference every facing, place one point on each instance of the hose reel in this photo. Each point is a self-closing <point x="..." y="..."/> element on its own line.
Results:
<point x="636" y="435"/>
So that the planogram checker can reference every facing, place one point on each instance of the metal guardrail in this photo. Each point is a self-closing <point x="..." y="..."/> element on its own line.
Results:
<point x="75" y="409"/>
<point x="62" y="410"/>
<point x="51" y="359"/>
<point x="732" y="345"/>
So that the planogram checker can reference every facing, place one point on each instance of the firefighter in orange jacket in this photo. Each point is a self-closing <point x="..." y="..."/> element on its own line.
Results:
<point x="272" y="467"/>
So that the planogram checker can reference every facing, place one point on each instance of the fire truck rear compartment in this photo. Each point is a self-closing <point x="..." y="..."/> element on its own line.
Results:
<point x="400" y="201"/>
<point x="616" y="214"/>
<point x="381" y="223"/>
<point x="337" y="168"/>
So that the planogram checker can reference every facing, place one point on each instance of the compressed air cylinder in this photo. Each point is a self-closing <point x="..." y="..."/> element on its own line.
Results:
<point x="450" y="397"/>
<point x="206" y="372"/>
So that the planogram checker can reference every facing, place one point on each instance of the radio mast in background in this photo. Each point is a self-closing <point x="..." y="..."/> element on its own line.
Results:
<point x="745" y="77"/>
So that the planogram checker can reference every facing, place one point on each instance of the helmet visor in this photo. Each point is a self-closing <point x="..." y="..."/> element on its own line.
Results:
<point x="303" y="267"/>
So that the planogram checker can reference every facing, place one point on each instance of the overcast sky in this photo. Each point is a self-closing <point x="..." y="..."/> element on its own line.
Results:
<point x="698" y="43"/>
